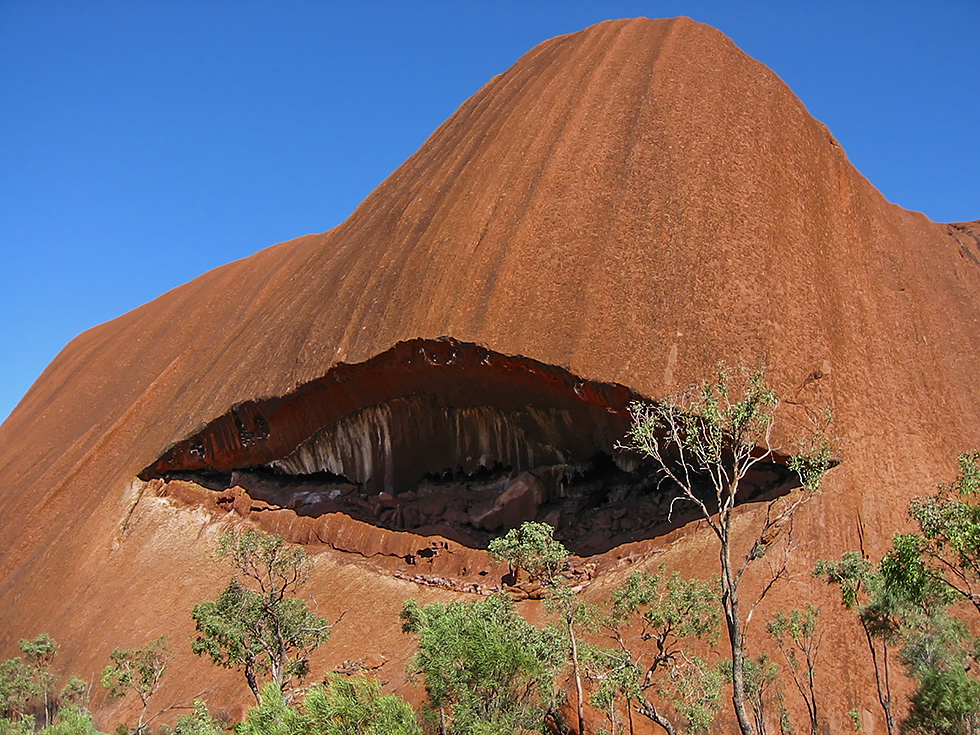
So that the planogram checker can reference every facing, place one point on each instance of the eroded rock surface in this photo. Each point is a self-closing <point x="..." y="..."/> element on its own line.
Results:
<point x="466" y="443"/>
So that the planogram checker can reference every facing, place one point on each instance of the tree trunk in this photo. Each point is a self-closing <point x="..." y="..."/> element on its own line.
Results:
<point x="889" y="719"/>
<point x="252" y="683"/>
<point x="729" y="601"/>
<point x="813" y="700"/>
<point x="139" y="724"/>
<point x="760" y="720"/>
<point x="647" y="709"/>
<point x="883" y="686"/>
<point x="578" y="677"/>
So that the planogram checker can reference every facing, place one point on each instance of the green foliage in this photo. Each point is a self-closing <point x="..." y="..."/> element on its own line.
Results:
<point x="896" y="603"/>
<point x="273" y="716"/>
<point x="484" y="667"/>
<point x="879" y="606"/>
<point x="909" y="596"/>
<point x="709" y="420"/>
<point x="719" y="430"/>
<point x="707" y="441"/>
<point x="671" y="608"/>
<point x="17" y="688"/>
<point x="226" y="627"/>
<point x="18" y="725"/>
<point x="651" y="619"/>
<point x="199" y="722"/>
<point x="796" y="634"/>
<point x="949" y="530"/>
<point x="72" y="720"/>
<point x="689" y="690"/>
<point x="928" y="571"/>
<point x="24" y="682"/>
<point x="798" y="638"/>
<point x="355" y="706"/>
<point x="712" y="422"/>
<point x="531" y="547"/>
<point x="246" y="630"/>
<point x="946" y="700"/>
<point x="75" y="692"/>
<point x="968" y="481"/>
<point x="261" y="631"/>
<point x="342" y="706"/>
<point x="570" y="607"/>
<point x="811" y="465"/>
<point x="277" y="567"/>
<point x="39" y="651"/>
<point x="908" y="578"/>
<point x="615" y="676"/>
<point x="851" y="573"/>
<point x="140" y="670"/>
<point x="137" y="669"/>
<point x="762" y="691"/>
<point x="697" y="693"/>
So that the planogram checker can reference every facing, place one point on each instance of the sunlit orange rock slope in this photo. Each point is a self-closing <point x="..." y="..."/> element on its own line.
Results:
<point x="621" y="209"/>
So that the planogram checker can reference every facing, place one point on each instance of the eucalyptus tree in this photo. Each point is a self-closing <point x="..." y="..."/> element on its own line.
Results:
<point x="533" y="548"/>
<point x="138" y="670"/>
<point x="706" y="441"/>
<point x="798" y="637"/>
<point x="255" y="625"/>
<point x="904" y="604"/>
<point x="653" y="620"/>
<point x="486" y="670"/>
<point x="863" y="592"/>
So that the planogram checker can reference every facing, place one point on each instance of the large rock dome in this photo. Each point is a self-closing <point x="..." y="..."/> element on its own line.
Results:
<point x="617" y="212"/>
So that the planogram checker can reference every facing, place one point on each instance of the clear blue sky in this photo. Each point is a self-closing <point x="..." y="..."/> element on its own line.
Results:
<point x="144" y="143"/>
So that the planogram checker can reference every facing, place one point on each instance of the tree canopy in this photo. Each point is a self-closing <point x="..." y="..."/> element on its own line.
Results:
<point x="485" y="668"/>
<point x="261" y="631"/>
<point x="706" y="441"/>
<point x="652" y="619"/>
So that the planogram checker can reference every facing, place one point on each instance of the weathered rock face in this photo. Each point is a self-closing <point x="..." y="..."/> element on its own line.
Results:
<point x="420" y="408"/>
<point x="628" y="205"/>
<point x="442" y="437"/>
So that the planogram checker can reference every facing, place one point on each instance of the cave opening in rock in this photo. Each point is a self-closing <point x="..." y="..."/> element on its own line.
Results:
<point x="439" y="437"/>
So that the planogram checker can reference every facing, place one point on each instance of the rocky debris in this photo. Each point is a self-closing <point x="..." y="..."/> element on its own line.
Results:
<point x="430" y="580"/>
<point x="518" y="503"/>
<point x="371" y="662"/>
<point x="592" y="505"/>
<point x="527" y="590"/>
<point x="403" y="548"/>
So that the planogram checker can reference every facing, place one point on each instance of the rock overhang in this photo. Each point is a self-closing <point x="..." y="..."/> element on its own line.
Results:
<point x="443" y="437"/>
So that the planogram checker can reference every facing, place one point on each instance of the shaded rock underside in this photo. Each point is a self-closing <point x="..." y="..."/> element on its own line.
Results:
<point x="439" y="437"/>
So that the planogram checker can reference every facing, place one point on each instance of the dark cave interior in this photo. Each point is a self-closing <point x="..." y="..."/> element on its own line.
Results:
<point x="445" y="438"/>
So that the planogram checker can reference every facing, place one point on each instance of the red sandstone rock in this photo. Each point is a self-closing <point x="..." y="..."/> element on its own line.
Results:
<point x="374" y="661"/>
<point x="633" y="203"/>
<point x="518" y="503"/>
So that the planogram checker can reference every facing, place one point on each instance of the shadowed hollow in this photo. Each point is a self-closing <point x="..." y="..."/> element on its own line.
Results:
<point x="448" y="438"/>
